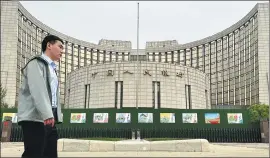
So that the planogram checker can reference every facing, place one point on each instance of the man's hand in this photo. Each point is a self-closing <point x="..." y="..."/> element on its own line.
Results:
<point x="49" y="121"/>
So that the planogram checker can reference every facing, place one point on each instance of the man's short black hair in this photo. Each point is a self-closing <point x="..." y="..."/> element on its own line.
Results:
<point x="50" y="38"/>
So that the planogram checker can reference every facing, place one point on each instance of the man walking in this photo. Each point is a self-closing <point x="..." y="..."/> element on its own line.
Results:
<point x="39" y="106"/>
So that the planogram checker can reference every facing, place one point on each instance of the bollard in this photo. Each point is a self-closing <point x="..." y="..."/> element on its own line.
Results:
<point x="264" y="126"/>
<point x="138" y="134"/>
<point x="133" y="134"/>
<point x="6" y="131"/>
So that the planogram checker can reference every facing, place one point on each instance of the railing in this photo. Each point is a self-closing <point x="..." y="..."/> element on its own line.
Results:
<point x="247" y="135"/>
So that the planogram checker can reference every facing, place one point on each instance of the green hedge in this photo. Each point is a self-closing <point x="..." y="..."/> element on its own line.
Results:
<point x="156" y="118"/>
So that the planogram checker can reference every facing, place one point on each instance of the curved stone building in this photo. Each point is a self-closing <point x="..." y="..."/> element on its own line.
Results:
<point x="235" y="61"/>
<point x="159" y="85"/>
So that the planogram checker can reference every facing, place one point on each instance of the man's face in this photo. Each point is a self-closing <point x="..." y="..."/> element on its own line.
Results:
<point x="55" y="50"/>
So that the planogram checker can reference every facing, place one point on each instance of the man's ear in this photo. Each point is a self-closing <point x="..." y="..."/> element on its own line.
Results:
<point x="48" y="45"/>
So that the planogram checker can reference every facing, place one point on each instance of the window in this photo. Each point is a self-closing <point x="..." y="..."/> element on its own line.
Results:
<point x="98" y="56"/>
<point x="156" y="94"/>
<point x="206" y="98"/>
<point x="188" y="96"/>
<point x="118" y="94"/>
<point x="87" y="96"/>
<point x="68" y="97"/>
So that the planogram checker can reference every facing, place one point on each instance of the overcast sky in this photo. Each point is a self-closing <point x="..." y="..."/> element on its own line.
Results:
<point x="161" y="20"/>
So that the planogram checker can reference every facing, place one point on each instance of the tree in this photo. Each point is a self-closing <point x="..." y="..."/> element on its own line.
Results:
<point x="258" y="112"/>
<point x="3" y="93"/>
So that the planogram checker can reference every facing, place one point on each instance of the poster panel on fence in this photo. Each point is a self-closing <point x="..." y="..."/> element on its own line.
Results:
<point x="100" y="118"/>
<point x="145" y="117"/>
<point x="78" y="118"/>
<point x="189" y="118"/>
<point x="123" y="118"/>
<point x="167" y="117"/>
<point x="10" y="116"/>
<point x="212" y="118"/>
<point x="235" y="118"/>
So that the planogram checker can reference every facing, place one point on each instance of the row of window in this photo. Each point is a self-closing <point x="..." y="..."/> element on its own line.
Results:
<point x="156" y="91"/>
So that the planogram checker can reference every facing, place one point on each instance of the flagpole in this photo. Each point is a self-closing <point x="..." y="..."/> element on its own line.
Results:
<point x="137" y="79"/>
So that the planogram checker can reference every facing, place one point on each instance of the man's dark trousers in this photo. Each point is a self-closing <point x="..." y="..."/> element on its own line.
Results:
<point x="39" y="141"/>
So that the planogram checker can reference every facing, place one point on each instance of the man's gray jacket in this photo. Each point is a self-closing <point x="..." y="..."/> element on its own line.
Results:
<point x="35" y="97"/>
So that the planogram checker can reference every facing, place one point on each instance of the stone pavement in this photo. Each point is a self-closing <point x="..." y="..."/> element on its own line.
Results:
<point x="217" y="150"/>
<point x="248" y="145"/>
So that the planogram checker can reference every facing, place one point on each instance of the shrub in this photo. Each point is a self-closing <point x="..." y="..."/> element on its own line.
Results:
<point x="258" y="112"/>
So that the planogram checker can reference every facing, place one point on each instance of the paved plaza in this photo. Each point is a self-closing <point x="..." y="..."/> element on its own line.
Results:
<point x="217" y="150"/>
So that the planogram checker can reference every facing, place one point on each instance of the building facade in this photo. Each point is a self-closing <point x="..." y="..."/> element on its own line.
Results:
<point x="236" y="60"/>
<point x="159" y="85"/>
